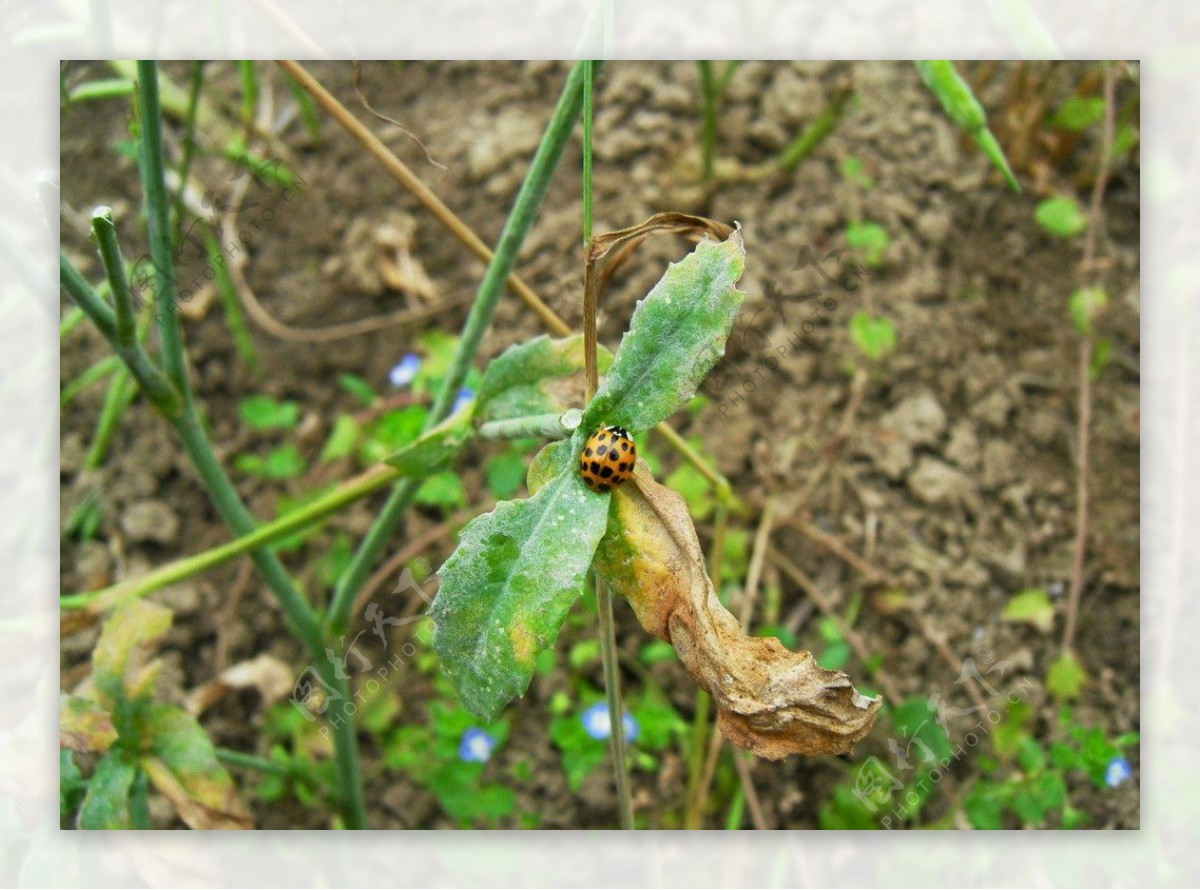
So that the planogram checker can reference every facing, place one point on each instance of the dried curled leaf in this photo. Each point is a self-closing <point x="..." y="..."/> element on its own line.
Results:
<point x="769" y="699"/>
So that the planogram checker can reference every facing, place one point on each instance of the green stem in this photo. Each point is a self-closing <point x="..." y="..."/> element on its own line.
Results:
<point x="263" y="535"/>
<point x="538" y="426"/>
<point x="120" y="394"/>
<point x="525" y="208"/>
<point x="158" y="225"/>
<point x="230" y="757"/>
<point x="616" y="711"/>
<point x="189" y="144"/>
<point x="93" y="374"/>
<point x="815" y="132"/>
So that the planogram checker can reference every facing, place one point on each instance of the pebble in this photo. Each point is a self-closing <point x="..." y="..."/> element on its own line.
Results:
<point x="150" y="521"/>
<point x="918" y="420"/>
<point x="935" y="482"/>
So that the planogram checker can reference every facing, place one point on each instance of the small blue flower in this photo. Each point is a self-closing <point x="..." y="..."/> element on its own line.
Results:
<point x="406" y="371"/>
<point x="1118" y="773"/>
<point x="476" y="746"/>
<point x="466" y="395"/>
<point x="597" y="724"/>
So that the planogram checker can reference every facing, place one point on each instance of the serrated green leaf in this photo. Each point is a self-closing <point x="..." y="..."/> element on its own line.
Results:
<point x="540" y="376"/>
<point x="106" y="804"/>
<point x="265" y="413"/>
<point x="84" y="725"/>
<point x="1061" y="216"/>
<point x="964" y="109"/>
<point x="1032" y="607"/>
<point x="183" y="765"/>
<point x="676" y="335"/>
<point x="116" y="659"/>
<point x="507" y="588"/>
<point x="435" y="450"/>
<point x="1066" y="678"/>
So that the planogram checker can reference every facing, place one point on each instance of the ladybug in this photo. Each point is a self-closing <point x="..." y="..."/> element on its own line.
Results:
<point x="607" y="458"/>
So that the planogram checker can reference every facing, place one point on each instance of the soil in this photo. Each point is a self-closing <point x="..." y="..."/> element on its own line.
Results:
<point x="950" y="466"/>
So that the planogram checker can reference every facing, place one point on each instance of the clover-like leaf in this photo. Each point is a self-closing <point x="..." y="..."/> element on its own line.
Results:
<point x="507" y="588"/>
<point x="676" y="335"/>
<point x="541" y="376"/>
<point x="183" y="765"/>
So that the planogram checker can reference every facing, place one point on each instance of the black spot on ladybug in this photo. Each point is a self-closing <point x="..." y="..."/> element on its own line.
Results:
<point x="595" y="467"/>
<point x="612" y="455"/>
<point x="605" y="472"/>
<point x="588" y="452"/>
<point x="624" y="446"/>
<point x="603" y="487"/>
<point x="622" y="466"/>
<point x="600" y="452"/>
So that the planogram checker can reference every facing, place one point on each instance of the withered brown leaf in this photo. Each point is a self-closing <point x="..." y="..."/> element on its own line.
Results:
<point x="769" y="699"/>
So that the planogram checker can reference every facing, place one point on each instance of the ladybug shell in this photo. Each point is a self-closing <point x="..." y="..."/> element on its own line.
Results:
<point x="607" y="459"/>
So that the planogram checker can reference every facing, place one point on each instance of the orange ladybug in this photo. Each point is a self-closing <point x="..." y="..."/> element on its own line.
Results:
<point x="607" y="458"/>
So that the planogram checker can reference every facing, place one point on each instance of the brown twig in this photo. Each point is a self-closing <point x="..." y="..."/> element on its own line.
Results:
<point x="1083" y="464"/>
<point x="834" y="545"/>
<point x="430" y="201"/>
<point x="757" y="558"/>
<point x="753" y="804"/>
<point x="362" y="97"/>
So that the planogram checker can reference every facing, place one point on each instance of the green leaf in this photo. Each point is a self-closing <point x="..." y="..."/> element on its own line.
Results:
<point x="676" y="335"/>
<point x="1078" y="113"/>
<point x="1061" y="216"/>
<point x="854" y="173"/>
<point x="1066" y="678"/>
<point x="71" y="784"/>
<point x="505" y="474"/>
<point x="1033" y="607"/>
<point x="264" y="413"/>
<point x="657" y="652"/>
<point x="695" y="488"/>
<point x="984" y="808"/>
<point x="964" y="109"/>
<point x="284" y="462"/>
<point x="106" y="804"/>
<point x="356" y="386"/>
<point x="871" y="239"/>
<point x="116" y="660"/>
<point x="1084" y="306"/>
<point x="386" y="435"/>
<point x="507" y="588"/>
<point x="442" y="490"/>
<point x="342" y="438"/>
<point x="183" y="765"/>
<point x="1030" y="756"/>
<point x="433" y="451"/>
<point x="535" y="377"/>
<point x="84" y="725"/>
<point x="875" y="337"/>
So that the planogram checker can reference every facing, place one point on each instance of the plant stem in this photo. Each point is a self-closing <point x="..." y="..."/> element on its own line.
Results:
<point x="1083" y="443"/>
<point x="524" y="210"/>
<point x="604" y="597"/>
<point x="159" y="228"/>
<point x="92" y="374"/>
<point x="539" y="426"/>
<point x="263" y="535"/>
<point x="588" y="88"/>
<point x="189" y="145"/>
<point x="815" y="132"/>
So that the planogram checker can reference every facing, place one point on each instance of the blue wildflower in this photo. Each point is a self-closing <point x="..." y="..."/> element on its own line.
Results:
<point x="1118" y="772"/>
<point x="476" y="746"/>
<point x="597" y="724"/>
<point x="405" y="371"/>
<point x="466" y="395"/>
